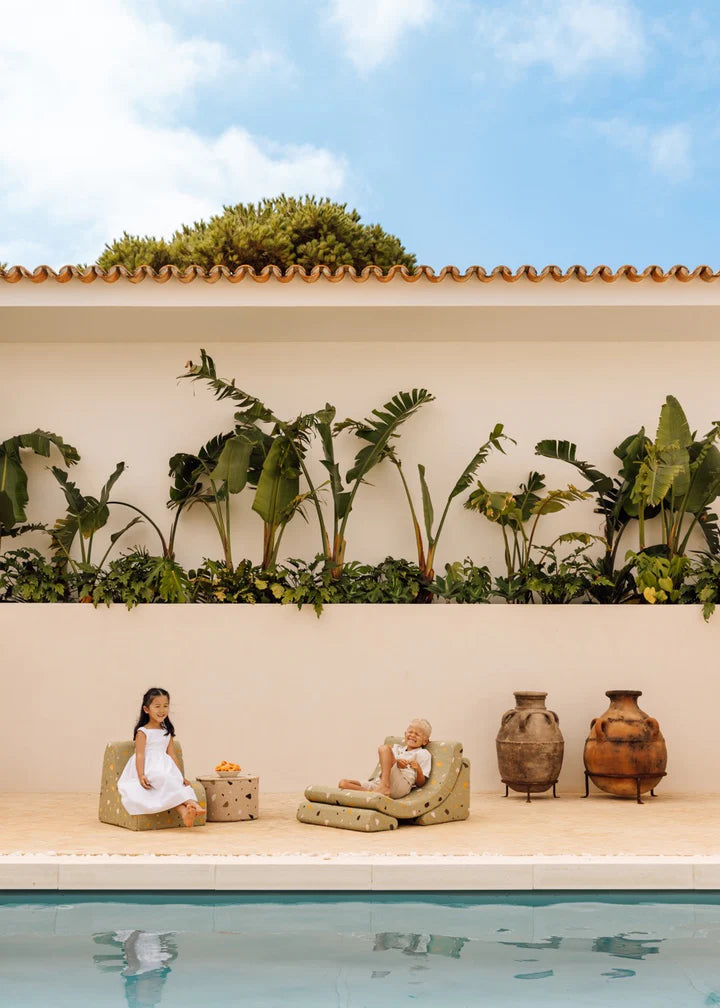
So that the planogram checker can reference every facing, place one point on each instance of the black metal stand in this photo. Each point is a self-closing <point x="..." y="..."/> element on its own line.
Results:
<point x="636" y="777"/>
<point x="507" y="790"/>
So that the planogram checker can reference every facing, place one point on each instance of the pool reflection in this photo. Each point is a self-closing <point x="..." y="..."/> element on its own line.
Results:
<point x="143" y="961"/>
<point x="419" y="944"/>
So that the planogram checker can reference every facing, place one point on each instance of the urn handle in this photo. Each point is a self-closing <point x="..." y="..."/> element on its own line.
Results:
<point x="654" y="727"/>
<point x="600" y="727"/>
<point x="506" y="717"/>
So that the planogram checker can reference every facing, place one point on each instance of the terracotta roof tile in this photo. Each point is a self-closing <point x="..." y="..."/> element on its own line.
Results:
<point x="71" y="273"/>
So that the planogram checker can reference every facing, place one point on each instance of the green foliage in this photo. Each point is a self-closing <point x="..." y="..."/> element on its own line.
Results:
<point x="561" y="580"/>
<point x="283" y="231"/>
<point x="137" y="577"/>
<point x="301" y="583"/>
<point x="706" y="586"/>
<point x="13" y="478"/>
<point x="26" y="576"/>
<point x="659" y="577"/>
<point x="463" y="583"/>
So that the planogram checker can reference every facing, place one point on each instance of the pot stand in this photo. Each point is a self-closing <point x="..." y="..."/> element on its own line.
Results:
<point x="520" y="790"/>
<point x="624" y="776"/>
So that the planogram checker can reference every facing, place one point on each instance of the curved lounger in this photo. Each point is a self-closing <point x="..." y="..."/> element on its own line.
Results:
<point x="444" y="798"/>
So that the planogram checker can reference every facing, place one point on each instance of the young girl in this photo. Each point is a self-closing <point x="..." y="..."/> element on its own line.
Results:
<point x="151" y="780"/>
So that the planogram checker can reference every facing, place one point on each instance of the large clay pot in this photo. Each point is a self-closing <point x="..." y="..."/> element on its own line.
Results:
<point x="625" y="741"/>
<point x="529" y="745"/>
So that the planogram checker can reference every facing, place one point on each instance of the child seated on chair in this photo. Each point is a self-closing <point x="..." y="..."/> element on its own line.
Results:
<point x="402" y="767"/>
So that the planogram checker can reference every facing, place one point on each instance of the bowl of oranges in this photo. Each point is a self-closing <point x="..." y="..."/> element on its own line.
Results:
<point x="226" y="769"/>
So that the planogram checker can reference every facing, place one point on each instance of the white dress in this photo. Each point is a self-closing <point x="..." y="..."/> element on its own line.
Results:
<point x="168" y="790"/>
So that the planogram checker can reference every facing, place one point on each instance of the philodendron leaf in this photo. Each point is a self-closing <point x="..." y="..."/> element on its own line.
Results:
<point x="232" y="466"/>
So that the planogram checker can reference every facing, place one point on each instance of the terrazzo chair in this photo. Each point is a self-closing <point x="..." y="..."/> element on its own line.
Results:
<point x="111" y="809"/>
<point x="444" y="798"/>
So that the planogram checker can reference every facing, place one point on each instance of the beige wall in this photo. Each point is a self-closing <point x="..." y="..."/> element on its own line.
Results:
<point x="303" y="700"/>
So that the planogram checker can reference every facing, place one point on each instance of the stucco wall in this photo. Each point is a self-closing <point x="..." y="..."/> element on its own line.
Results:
<point x="303" y="700"/>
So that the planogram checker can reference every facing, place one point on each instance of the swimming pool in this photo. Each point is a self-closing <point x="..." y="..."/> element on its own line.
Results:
<point x="348" y="951"/>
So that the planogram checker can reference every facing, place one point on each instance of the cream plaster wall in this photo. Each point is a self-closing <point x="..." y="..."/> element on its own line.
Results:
<point x="303" y="700"/>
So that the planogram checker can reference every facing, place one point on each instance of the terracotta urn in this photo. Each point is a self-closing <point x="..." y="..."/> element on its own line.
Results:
<point x="529" y="745"/>
<point x="627" y="743"/>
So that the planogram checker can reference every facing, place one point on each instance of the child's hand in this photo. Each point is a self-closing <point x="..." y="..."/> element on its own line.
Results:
<point x="402" y="763"/>
<point x="145" y="782"/>
<point x="187" y="783"/>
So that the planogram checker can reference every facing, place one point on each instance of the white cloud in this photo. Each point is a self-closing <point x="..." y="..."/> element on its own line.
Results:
<point x="91" y="133"/>
<point x="572" y="37"/>
<point x="667" y="150"/>
<point x="371" y="29"/>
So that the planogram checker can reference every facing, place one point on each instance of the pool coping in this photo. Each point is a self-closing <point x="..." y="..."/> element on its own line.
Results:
<point x="355" y="872"/>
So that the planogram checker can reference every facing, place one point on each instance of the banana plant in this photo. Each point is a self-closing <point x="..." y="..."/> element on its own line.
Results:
<point x="13" y="478"/>
<point x="378" y="431"/>
<point x="676" y="476"/>
<point x="222" y="467"/>
<point x="85" y="516"/>
<point x="681" y="476"/>
<point x="613" y="495"/>
<point x="518" y="515"/>
<point x="426" y="550"/>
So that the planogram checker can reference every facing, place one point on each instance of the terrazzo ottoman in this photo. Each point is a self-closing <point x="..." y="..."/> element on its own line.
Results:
<point x="111" y="810"/>
<point x="231" y="799"/>
<point x="444" y="798"/>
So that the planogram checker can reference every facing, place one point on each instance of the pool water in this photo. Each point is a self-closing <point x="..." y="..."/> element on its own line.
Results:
<point x="352" y="951"/>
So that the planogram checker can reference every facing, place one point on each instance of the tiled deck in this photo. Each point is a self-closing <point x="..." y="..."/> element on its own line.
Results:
<point x="671" y="842"/>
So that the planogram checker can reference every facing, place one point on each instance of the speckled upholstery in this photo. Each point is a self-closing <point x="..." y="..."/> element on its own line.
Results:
<point x="111" y="808"/>
<point x="363" y="820"/>
<point x="444" y="798"/>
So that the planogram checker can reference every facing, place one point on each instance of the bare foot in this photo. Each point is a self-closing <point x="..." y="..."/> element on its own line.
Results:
<point x="381" y="789"/>
<point x="188" y="814"/>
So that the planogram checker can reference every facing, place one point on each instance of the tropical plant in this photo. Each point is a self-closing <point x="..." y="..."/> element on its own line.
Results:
<point x="706" y="585"/>
<point x="512" y="512"/>
<point x="26" y="576"/>
<point x="659" y="578"/>
<point x="681" y="476"/>
<point x="283" y="231"/>
<point x="277" y="498"/>
<point x="426" y="551"/>
<point x="676" y="477"/>
<point x="85" y="516"/>
<point x="137" y="577"/>
<point x="560" y="580"/>
<point x="13" y="478"/>
<point x="463" y="583"/>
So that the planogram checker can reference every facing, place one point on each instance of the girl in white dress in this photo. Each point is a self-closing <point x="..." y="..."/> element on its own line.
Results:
<point x="152" y="780"/>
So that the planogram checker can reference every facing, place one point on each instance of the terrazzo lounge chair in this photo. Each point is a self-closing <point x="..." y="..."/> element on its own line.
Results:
<point x="111" y="809"/>
<point x="444" y="798"/>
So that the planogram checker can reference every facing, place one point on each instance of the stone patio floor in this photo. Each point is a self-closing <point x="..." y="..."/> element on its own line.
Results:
<point x="668" y="825"/>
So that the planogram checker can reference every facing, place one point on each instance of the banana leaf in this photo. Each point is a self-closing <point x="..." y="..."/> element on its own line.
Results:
<point x="13" y="478"/>
<point x="279" y="484"/>
<point x="232" y="465"/>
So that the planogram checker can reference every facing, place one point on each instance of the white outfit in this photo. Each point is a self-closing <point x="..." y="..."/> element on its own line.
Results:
<point x="402" y="781"/>
<point x="168" y="790"/>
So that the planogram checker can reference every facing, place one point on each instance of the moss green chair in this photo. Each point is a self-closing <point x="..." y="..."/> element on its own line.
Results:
<point x="111" y="809"/>
<point x="445" y="797"/>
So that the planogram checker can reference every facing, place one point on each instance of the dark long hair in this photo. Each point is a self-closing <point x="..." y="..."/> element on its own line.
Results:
<point x="156" y="691"/>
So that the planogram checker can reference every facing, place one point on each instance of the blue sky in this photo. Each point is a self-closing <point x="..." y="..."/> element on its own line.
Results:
<point x="537" y="131"/>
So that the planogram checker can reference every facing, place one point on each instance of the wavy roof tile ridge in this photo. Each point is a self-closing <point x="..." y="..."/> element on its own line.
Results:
<point x="66" y="274"/>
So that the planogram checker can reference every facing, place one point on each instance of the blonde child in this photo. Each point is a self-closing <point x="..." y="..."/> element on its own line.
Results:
<point x="152" y="780"/>
<point x="402" y="767"/>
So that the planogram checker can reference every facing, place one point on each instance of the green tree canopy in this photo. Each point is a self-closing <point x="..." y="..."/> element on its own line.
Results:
<point x="282" y="231"/>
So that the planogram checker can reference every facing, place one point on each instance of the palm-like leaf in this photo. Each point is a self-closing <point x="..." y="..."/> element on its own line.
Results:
<point x="495" y="439"/>
<point x="565" y="452"/>
<point x="380" y="427"/>
<point x="205" y="371"/>
<point x="86" y="514"/>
